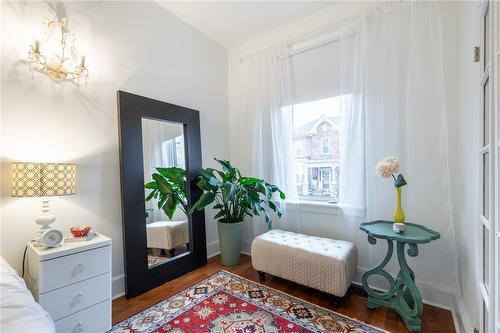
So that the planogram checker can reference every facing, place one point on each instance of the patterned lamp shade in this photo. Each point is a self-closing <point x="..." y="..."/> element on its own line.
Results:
<point x="43" y="179"/>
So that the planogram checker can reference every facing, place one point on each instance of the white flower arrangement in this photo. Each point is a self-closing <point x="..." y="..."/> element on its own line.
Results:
<point x="389" y="166"/>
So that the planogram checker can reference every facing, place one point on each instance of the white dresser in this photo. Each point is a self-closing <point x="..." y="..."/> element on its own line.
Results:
<point x="73" y="284"/>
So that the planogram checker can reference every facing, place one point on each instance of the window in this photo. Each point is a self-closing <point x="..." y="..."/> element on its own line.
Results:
<point x="173" y="152"/>
<point x="325" y="145"/>
<point x="299" y="148"/>
<point x="317" y="158"/>
<point x="322" y="77"/>
<point x="179" y="151"/>
<point x="326" y="175"/>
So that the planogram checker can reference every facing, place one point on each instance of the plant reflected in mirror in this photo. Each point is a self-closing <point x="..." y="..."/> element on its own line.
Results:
<point x="169" y="188"/>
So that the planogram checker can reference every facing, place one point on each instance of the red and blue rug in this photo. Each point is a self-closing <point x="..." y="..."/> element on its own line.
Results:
<point x="225" y="303"/>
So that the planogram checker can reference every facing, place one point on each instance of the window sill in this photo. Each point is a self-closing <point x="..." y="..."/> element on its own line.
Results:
<point x="324" y="208"/>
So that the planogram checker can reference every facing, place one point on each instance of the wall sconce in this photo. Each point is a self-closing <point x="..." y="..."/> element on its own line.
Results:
<point x="56" y="56"/>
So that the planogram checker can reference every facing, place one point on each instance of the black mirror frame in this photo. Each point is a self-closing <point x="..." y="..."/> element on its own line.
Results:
<point x="139" y="278"/>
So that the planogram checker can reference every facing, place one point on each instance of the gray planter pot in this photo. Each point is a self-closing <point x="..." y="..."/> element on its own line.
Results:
<point x="230" y="235"/>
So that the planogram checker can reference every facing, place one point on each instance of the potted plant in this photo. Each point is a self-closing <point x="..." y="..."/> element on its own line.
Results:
<point x="169" y="187"/>
<point x="235" y="197"/>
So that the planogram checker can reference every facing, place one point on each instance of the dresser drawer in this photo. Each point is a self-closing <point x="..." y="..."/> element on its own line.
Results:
<point x="63" y="271"/>
<point x="73" y="298"/>
<point x="96" y="319"/>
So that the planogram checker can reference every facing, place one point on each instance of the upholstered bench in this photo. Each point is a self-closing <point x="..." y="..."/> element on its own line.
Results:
<point x="325" y="264"/>
<point x="167" y="235"/>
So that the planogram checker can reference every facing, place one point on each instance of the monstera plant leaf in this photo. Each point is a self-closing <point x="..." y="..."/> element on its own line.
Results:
<point x="169" y="188"/>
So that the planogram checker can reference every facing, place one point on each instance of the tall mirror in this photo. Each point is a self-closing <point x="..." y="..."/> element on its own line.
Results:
<point x="167" y="227"/>
<point x="160" y="155"/>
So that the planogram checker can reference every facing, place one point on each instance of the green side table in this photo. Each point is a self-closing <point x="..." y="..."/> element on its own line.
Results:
<point x="403" y="295"/>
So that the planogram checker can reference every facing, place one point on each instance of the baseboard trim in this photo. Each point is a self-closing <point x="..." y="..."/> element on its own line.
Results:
<point x="419" y="284"/>
<point x="246" y="248"/>
<point x="118" y="282"/>
<point x="118" y="286"/>
<point x="431" y="295"/>
<point x="425" y="301"/>
<point x="456" y="321"/>
<point x="464" y="322"/>
<point x="437" y="297"/>
<point x="213" y="249"/>
<point x="118" y="295"/>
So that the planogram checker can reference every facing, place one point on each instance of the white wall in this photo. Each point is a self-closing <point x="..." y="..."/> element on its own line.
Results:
<point x="138" y="47"/>
<point x="463" y="77"/>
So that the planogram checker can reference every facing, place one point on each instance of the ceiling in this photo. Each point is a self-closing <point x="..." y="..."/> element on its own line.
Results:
<point x="232" y="22"/>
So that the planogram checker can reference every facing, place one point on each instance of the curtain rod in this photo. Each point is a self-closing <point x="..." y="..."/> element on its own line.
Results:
<point x="319" y="42"/>
<point x="304" y="38"/>
<point x="328" y="28"/>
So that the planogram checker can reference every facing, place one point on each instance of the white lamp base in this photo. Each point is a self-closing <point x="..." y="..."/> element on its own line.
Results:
<point x="46" y="218"/>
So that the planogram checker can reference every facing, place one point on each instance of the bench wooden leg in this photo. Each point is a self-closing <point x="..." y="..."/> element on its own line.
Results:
<point x="337" y="301"/>
<point x="171" y="252"/>
<point x="262" y="276"/>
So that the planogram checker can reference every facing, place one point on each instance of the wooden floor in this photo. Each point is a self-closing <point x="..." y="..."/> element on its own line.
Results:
<point x="435" y="320"/>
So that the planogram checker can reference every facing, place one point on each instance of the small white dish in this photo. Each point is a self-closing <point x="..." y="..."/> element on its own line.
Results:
<point x="398" y="227"/>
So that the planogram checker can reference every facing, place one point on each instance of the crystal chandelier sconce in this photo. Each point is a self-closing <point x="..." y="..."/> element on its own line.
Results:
<point x="56" y="55"/>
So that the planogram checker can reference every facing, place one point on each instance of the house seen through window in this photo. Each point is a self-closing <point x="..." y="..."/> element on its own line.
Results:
<point x="317" y="135"/>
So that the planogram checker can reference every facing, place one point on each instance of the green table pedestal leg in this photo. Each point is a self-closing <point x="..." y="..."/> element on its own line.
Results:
<point x="403" y="295"/>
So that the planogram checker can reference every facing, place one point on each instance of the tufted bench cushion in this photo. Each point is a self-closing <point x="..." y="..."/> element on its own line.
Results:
<point x="325" y="264"/>
<point x="167" y="234"/>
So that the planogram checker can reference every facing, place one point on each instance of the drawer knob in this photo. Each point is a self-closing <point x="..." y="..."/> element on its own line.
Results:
<point x="77" y="299"/>
<point x="79" y="268"/>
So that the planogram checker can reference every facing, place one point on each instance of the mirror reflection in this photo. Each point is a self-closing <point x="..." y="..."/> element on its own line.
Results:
<point x="165" y="186"/>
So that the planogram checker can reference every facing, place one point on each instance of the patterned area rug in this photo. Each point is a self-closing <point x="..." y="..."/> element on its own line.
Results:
<point x="225" y="302"/>
<point x="154" y="260"/>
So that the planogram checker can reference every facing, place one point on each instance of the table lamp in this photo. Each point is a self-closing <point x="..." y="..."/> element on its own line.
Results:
<point x="44" y="180"/>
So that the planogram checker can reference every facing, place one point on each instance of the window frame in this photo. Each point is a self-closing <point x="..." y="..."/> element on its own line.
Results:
<point x="323" y="145"/>
<point x="296" y="146"/>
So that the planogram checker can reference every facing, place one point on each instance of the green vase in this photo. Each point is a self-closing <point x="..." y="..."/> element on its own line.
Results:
<point x="230" y="235"/>
<point x="399" y="214"/>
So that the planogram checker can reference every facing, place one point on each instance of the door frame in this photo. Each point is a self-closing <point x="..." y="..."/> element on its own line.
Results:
<point x="495" y="53"/>
<point x="488" y="298"/>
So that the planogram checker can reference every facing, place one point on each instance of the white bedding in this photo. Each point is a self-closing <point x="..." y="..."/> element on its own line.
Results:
<point x="19" y="313"/>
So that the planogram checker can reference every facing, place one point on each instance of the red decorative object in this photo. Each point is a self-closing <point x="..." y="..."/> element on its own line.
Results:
<point x="80" y="231"/>
<point x="228" y="303"/>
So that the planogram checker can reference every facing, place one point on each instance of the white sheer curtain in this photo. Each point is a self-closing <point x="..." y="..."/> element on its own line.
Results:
<point x="353" y="163"/>
<point x="399" y="63"/>
<point x="266" y="123"/>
